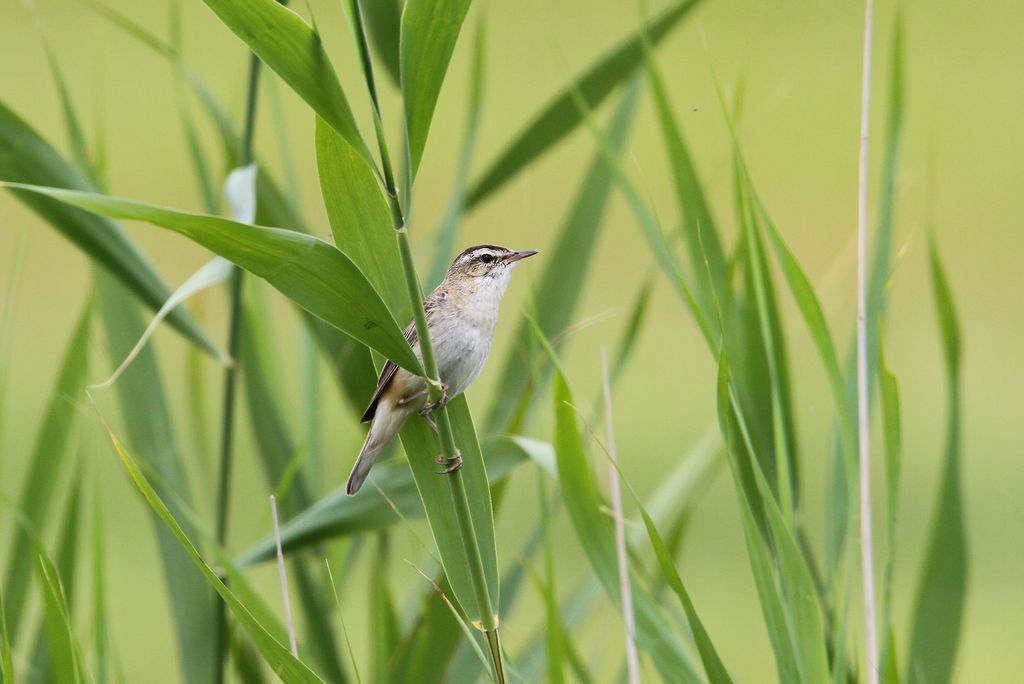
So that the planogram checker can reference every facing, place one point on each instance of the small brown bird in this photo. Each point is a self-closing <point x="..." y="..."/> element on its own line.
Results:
<point x="461" y="316"/>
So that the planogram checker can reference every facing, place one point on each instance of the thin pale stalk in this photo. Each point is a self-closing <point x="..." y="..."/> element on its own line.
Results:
<point x="283" y="577"/>
<point x="632" y="660"/>
<point x="864" y="450"/>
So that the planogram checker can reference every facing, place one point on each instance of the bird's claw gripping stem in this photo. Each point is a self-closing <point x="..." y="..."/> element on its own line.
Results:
<point x="432" y="406"/>
<point x="451" y="463"/>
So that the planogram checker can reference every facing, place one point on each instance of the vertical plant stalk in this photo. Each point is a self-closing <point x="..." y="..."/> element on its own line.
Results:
<point x="864" y="435"/>
<point x="488" y="618"/>
<point x="231" y="370"/>
<point x="283" y="577"/>
<point x="632" y="660"/>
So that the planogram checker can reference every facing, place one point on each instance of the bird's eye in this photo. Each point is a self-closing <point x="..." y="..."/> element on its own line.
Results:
<point x="487" y="258"/>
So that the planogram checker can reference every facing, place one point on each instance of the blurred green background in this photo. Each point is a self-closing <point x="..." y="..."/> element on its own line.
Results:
<point x="800" y="63"/>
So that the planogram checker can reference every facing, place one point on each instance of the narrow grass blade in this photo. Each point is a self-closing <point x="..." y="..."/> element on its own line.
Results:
<point x="430" y="29"/>
<point x="554" y="652"/>
<point x="938" y="612"/>
<point x="360" y="217"/>
<point x="14" y="282"/>
<point x="760" y="563"/>
<point x="315" y="275"/>
<point x="561" y="114"/>
<point x="286" y="666"/>
<point x="147" y="419"/>
<point x="384" y="21"/>
<point x="26" y="157"/>
<point x="802" y="611"/>
<point x="565" y="273"/>
<point x="293" y="49"/>
<point x="72" y="124"/>
<point x="444" y="235"/>
<point x="779" y="440"/>
<point x="424" y="652"/>
<point x="699" y="231"/>
<point x="594" y="532"/>
<point x="53" y="443"/>
<point x="382" y="619"/>
<point x="810" y="308"/>
<point x="65" y="564"/>
<point x="65" y="653"/>
<point x="6" y="664"/>
<point x="338" y="515"/>
<point x="101" y="641"/>
<point x="713" y="666"/>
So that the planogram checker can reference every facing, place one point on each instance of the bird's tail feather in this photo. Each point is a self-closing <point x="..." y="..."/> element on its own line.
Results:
<point x="386" y="424"/>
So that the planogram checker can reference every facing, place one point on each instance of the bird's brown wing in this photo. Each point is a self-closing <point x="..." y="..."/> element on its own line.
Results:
<point x="412" y="336"/>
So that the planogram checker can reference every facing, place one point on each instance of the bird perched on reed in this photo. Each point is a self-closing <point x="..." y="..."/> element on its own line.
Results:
<point x="462" y="313"/>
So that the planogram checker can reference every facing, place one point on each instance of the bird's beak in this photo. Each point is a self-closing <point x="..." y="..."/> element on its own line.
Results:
<point x="516" y="256"/>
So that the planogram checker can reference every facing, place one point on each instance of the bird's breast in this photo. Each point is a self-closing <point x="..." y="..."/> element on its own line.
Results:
<point x="462" y="339"/>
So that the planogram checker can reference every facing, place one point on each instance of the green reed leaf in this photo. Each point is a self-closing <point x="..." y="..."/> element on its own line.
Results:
<point x="43" y="660"/>
<point x="146" y="414"/>
<point x="65" y="653"/>
<point x="938" y="612"/>
<point x="430" y="29"/>
<point x="564" y="276"/>
<point x="289" y="668"/>
<point x="561" y="115"/>
<point x="768" y="592"/>
<point x="595" y="533"/>
<point x="384" y="23"/>
<point x="293" y="49"/>
<point x="25" y="157"/>
<point x="57" y="433"/>
<point x="444" y="235"/>
<point x="360" y="217"/>
<point x="277" y="452"/>
<point x="310" y="272"/>
<point x="338" y="515"/>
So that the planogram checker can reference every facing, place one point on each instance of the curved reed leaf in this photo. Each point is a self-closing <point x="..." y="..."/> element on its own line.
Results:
<point x="54" y="441"/>
<point x="310" y="272"/>
<point x="564" y="274"/>
<point x="293" y="49"/>
<point x="360" y="217"/>
<point x="942" y="588"/>
<point x="65" y="653"/>
<point x="768" y="592"/>
<point x="594" y="532"/>
<point x="284" y="664"/>
<point x="430" y="29"/>
<point x="25" y="157"/>
<point x="561" y="114"/>
<point x="147" y="418"/>
<point x="384" y="23"/>
<point x="444" y="234"/>
<point x="43" y="660"/>
<point x="339" y="515"/>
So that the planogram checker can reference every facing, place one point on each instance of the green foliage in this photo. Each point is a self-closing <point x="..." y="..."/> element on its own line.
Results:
<point x="429" y="31"/>
<point x="55" y="440"/>
<point x="293" y="49"/>
<point x="319" y="277"/>
<point x="353" y="298"/>
<point x="562" y="114"/>
<point x="25" y="157"/>
<point x="942" y="588"/>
